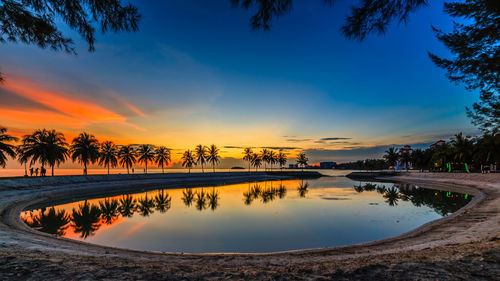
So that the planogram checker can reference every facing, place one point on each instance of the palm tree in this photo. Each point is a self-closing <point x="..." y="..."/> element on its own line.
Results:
<point x="302" y="160"/>
<point x="272" y="158"/>
<point x="391" y="196"/>
<point x="146" y="154"/>
<point x="201" y="155"/>
<point x="162" y="157"/>
<point x="188" y="160"/>
<point x="201" y="200"/>
<point x="213" y="156"/>
<point x="22" y="157"/>
<point x="85" y="149"/>
<point x="108" y="155"/>
<point x="248" y="153"/>
<point x="282" y="159"/>
<point x="127" y="156"/>
<point x="463" y="148"/>
<point x="48" y="147"/>
<point x="5" y="147"/>
<point x="303" y="189"/>
<point x="264" y="155"/>
<point x="405" y="157"/>
<point x="391" y="156"/>
<point x="487" y="150"/>
<point x="256" y="161"/>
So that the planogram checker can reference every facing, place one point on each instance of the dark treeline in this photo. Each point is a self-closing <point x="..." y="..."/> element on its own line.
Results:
<point x="460" y="154"/>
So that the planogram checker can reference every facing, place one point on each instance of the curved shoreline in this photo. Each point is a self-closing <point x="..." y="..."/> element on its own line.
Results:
<point x="478" y="222"/>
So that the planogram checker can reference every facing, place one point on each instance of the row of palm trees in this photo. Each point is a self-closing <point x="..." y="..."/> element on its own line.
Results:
<point x="49" y="148"/>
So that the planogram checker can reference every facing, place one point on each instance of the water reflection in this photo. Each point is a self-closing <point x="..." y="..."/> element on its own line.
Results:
<point x="86" y="218"/>
<point x="442" y="202"/>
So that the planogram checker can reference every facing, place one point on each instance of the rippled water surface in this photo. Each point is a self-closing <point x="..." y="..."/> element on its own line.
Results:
<point x="249" y="217"/>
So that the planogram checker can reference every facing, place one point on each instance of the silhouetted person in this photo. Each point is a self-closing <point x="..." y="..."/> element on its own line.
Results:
<point x="36" y="172"/>
<point x="43" y="171"/>
<point x="132" y="170"/>
<point x="31" y="171"/>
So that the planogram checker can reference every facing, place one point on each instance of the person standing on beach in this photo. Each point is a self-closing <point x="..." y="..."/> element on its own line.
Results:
<point x="43" y="171"/>
<point x="36" y="172"/>
<point x="31" y="171"/>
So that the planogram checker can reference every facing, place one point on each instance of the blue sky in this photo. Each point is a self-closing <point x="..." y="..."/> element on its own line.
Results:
<point x="196" y="72"/>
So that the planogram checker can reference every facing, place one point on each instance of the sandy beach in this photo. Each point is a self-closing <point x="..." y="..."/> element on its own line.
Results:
<point x="463" y="246"/>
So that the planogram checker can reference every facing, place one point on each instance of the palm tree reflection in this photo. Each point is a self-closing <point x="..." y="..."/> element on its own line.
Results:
<point x="303" y="189"/>
<point x="109" y="210"/>
<point x="145" y="206"/>
<point x="201" y="200"/>
<point x="163" y="201"/>
<point x="86" y="219"/>
<point x="52" y="221"/>
<point x="391" y="196"/>
<point x="213" y="199"/>
<point x="188" y="196"/>
<point x="127" y="206"/>
<point x="281" y="191"/>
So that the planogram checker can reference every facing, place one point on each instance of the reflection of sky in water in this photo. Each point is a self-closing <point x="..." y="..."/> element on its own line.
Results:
<point x="331" y="213"/>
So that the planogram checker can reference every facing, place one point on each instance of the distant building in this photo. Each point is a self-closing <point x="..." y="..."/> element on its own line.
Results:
<point x="293" y="166"/>
<point x="438" y="143"/>
<point x="327" y="165"/>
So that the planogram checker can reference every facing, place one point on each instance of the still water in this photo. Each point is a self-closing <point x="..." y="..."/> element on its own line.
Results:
<point x="250" y="217"/>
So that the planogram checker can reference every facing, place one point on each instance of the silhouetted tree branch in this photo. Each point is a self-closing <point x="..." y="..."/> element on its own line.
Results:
<point x="33" y="21"/>
<point x="475" y="47"/>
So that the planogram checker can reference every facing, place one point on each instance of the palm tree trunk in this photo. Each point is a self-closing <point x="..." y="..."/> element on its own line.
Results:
<point x="162" y="169"/>
<point x="108" y="169"/>
<point x="146" y="167"/>
<point x="52" y="170"/>
<point x="213" y="167"/>
<point x="249" y="165"/>
<point x="84" y="168"/>
<point x="128" y="173"/>
<point x="202" y="168"/>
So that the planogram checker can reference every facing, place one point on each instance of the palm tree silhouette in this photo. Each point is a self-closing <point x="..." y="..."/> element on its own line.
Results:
<point x="188" y="160"/>
<point x="264" y="155"/>
<point x="162" y="157"/>
<point x="86" y="219"/>
<point x="109" y="210"/>
<point x="213" y="156"/>
<point x="146" y="154"/>
<point x="256" y="191"/>
<point x="48" y="147"/>
<point x="302" y="160"/>
<point x="5" y="147"/>
<point x="391" y="156"/>
<point x="256" y="161"/>
<point x="85" y="150"/>
<point x="127" y="206"/>
<point x="188" y="196"/>
<point x="272" y="158"/>
<point x="248" y="154"/>
<point x="213" y="199"/>
<point x="282" y="159"/>
<point x="163" y="201"/>
<point x="52" y="221"/>
<point x="201" y="155"/>
<point x="127" y="156"/>
<point x="108" y="155"/>
<point x="22" y="157"/>
<point x="145" y="206"/>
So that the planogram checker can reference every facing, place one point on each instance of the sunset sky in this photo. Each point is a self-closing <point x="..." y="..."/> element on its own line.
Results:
<point x="195" y="72"/>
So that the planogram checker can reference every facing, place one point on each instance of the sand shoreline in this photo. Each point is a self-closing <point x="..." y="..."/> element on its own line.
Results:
<point x="473" y="230"/>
